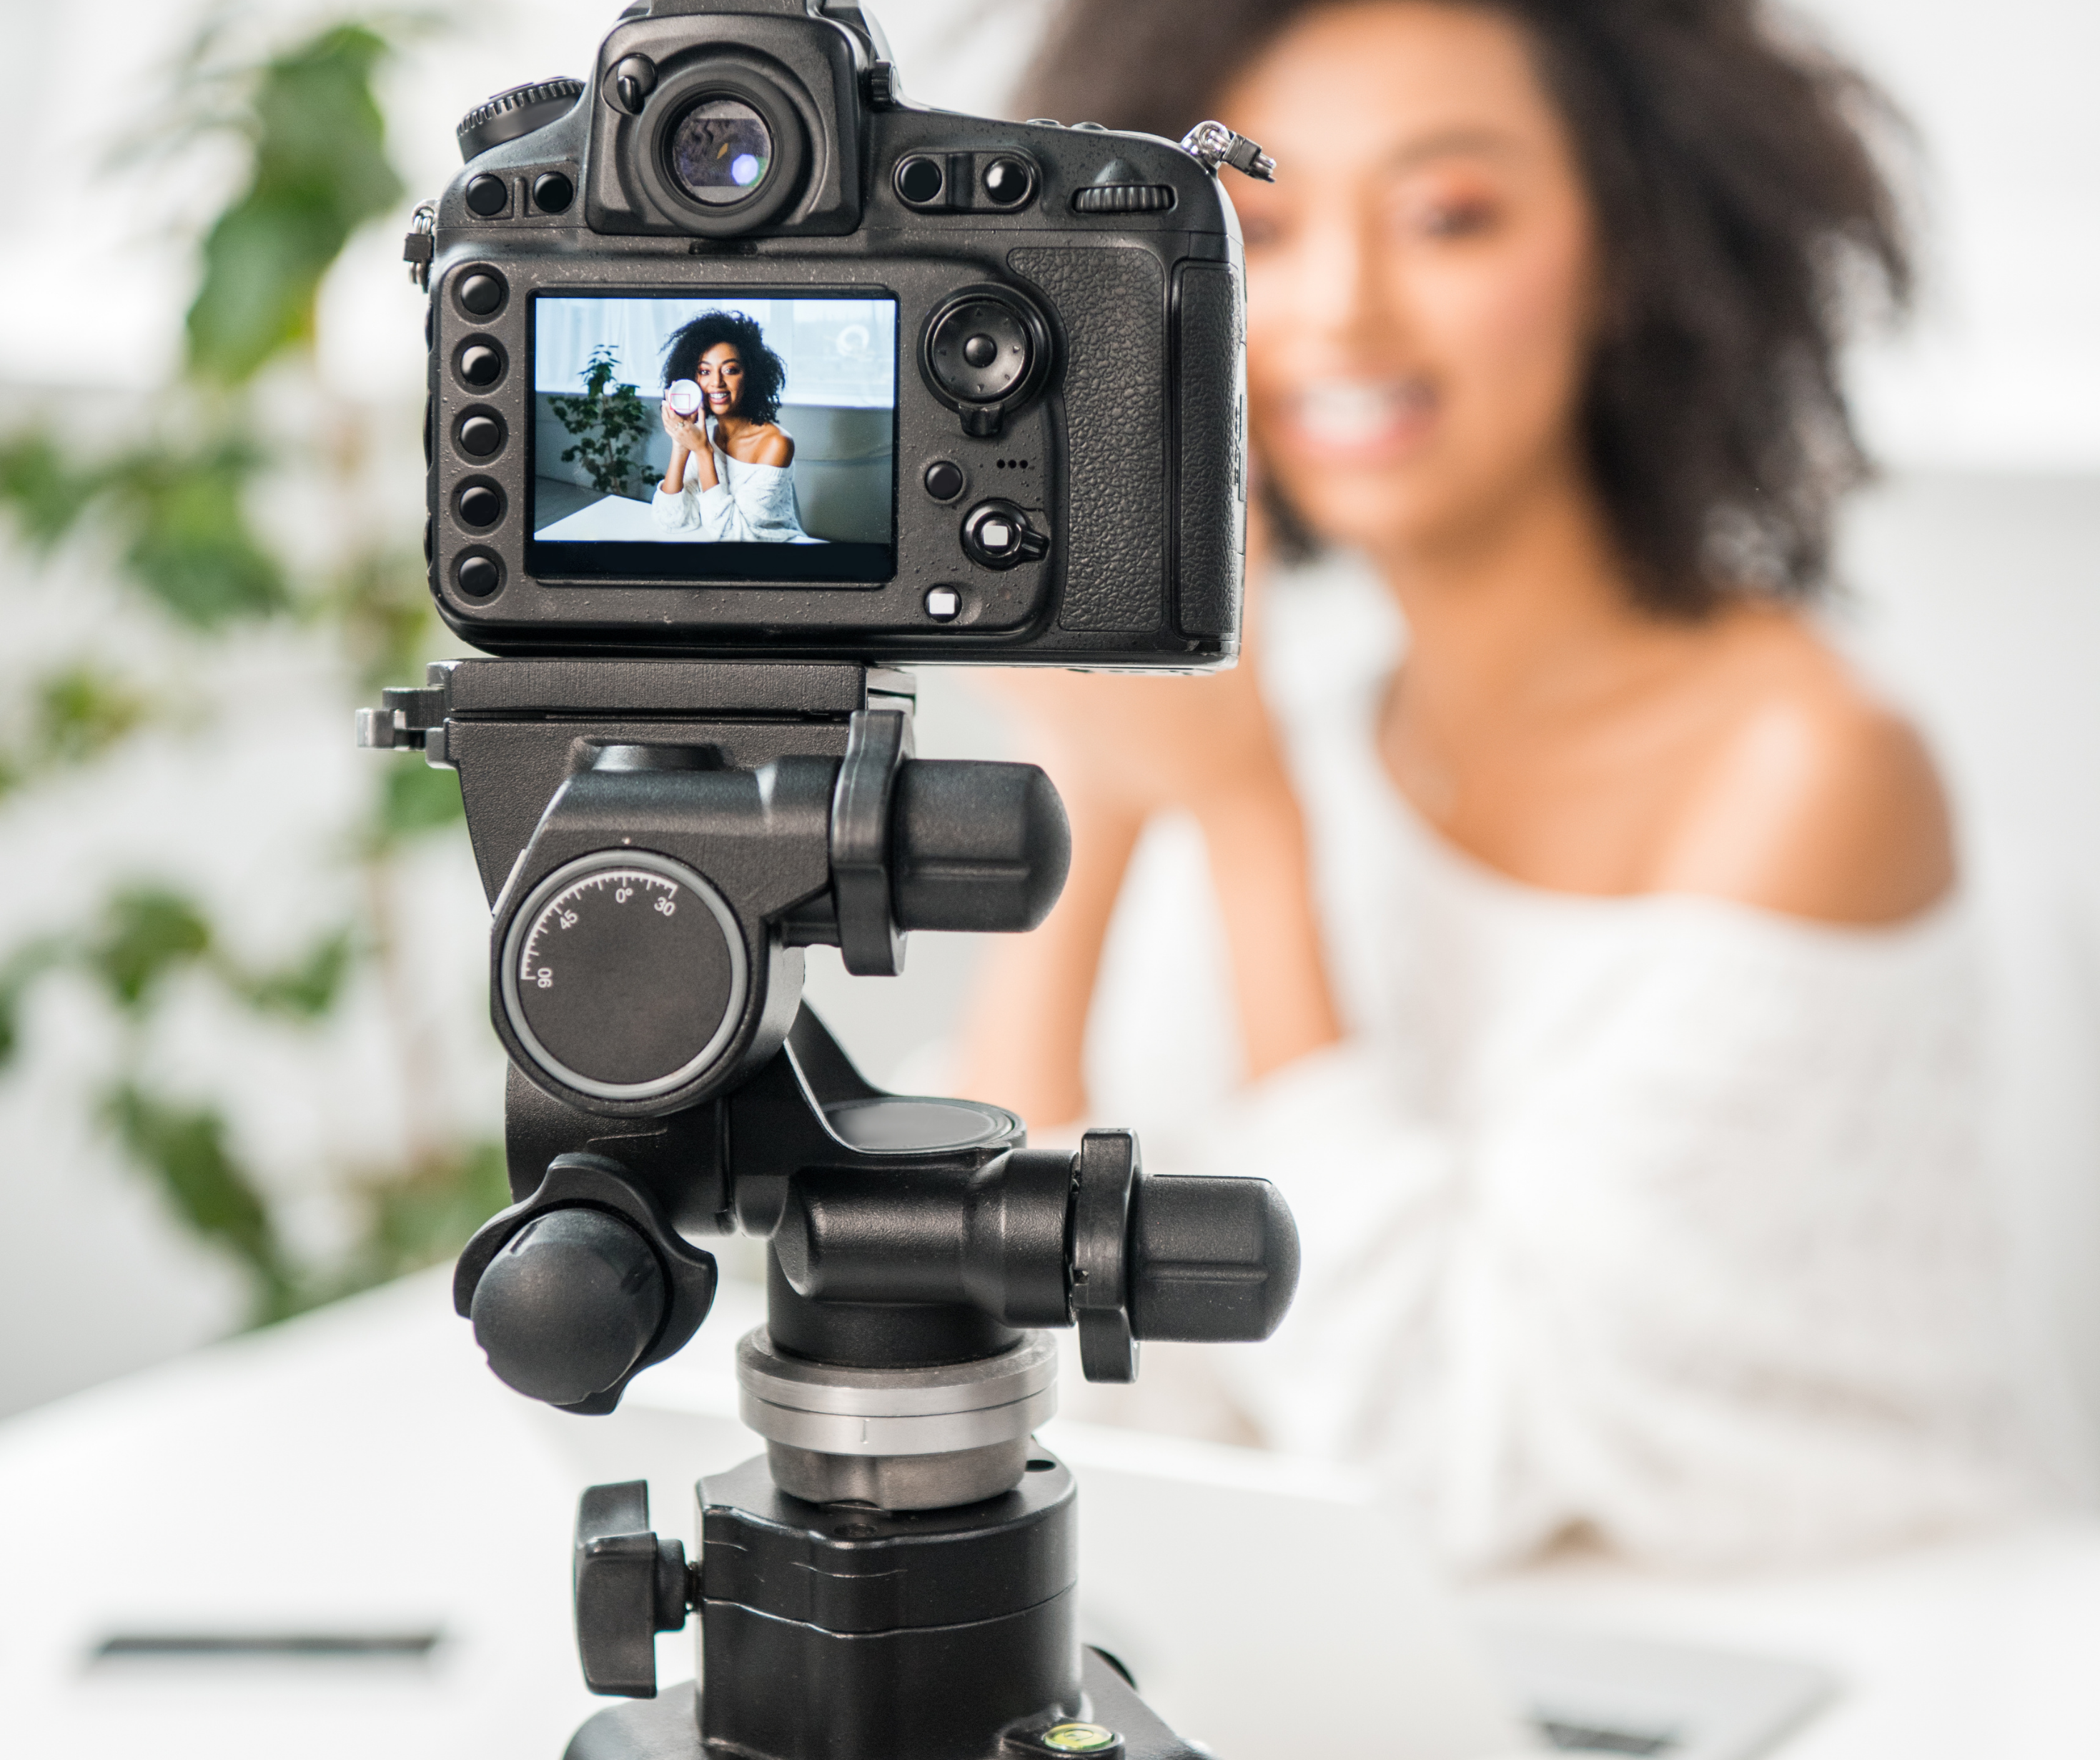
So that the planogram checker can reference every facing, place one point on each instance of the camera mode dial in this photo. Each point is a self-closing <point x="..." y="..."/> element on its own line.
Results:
<point x="624" y="975"/>
<point x="518" y="111"/>
<point x="984" y="352"/>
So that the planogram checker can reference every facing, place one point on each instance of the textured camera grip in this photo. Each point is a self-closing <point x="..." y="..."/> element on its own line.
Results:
<point x="1210" y="487"/>
<point x="1111" y="303"/>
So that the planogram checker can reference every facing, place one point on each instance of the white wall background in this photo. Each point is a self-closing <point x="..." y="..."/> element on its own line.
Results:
<point x="1978" y="587"/>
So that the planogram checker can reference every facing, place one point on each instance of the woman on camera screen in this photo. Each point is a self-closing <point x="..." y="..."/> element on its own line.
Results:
<point x="728" y="479"/>
<point x="1586" y="936"/>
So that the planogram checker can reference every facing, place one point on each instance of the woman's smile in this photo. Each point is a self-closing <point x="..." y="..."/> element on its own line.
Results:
<point x="1364" y="420"/>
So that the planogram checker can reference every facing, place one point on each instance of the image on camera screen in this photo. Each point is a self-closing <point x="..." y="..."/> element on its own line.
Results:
<point x="741" y="438"/>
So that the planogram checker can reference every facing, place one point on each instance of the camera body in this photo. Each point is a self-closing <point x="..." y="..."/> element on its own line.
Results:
<point x="971" y="391"/>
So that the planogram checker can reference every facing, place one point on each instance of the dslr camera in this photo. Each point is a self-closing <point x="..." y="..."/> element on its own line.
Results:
<point x="940" y="388"/>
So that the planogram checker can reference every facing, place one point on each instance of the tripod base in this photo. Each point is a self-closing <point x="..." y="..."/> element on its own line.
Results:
<point x="669" y="1728"/>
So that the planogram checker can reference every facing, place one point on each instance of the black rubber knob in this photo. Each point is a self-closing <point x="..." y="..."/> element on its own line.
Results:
<point x="519" y="110"/>
<point x="569" y="1304"/>
<point x="1215" y="1261"/>
<point x="553" y="191"/>
<point x="982" y="847"/>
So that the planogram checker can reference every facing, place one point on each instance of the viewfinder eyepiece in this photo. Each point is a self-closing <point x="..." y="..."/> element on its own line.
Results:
<point x="720" y="151"/>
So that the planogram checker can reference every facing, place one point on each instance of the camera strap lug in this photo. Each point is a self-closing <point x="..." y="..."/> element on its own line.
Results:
<point x="1212" y="144"/>
<point x="421" y="245"/>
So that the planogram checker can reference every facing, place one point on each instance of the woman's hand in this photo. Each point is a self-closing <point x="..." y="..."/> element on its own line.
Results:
<point x="688" y="439"/>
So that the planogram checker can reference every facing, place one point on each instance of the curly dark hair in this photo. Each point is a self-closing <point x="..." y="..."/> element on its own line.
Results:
<point x="764" y="373"/>
<point x="1741" y="212"/>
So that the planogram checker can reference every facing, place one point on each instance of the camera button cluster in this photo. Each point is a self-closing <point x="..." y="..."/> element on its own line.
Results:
<point x="944" y="479"/>
<point x="487" y="194"/>
<point x="479" y="362"/>
<point x="996" y="534"/>
<point x="963" y="182"/>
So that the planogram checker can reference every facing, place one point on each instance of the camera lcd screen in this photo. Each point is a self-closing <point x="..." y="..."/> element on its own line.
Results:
<point x="739" y="438"/>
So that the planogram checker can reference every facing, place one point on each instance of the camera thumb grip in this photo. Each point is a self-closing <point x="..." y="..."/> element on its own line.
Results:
<point x="979" y="848"/>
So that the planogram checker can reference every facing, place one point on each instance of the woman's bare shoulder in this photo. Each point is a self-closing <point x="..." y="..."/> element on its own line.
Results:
<point x="775" y="447"/>
<point x="1817" y="799"/>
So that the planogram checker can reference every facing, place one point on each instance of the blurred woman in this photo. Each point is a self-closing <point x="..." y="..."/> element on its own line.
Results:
<point x="740" y="488"/>
<point x="1602" y="986"/>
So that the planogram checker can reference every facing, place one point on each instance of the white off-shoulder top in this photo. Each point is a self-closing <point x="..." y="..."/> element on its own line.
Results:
<point x="1659" y="1218"/>
<point x="749" y="503"/>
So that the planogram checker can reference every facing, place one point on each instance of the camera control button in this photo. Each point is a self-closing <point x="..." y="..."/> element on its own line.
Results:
<point x="478" y="574"/>
<point x="984" y="352"/>
<point x="553" y="191"/>
<point x="480" y="435"/>
<point x="633" y="80"/>
<point x="996" y="534"/>
<point x="479" y="505"/>
<point x="1008" y="182"/>
<point x="487" y="194"/>
<point x="482" y="292"/>
<point x="944" y="479"/>
<point x="920" y="179"/>
<point x="480" y="364"/>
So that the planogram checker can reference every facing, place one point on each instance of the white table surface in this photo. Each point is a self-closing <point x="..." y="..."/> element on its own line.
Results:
<point x="617" y="519"/>
<point x="361" y="1470"/>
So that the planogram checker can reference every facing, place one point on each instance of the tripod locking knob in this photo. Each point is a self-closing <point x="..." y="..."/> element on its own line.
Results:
<point x="629" y="1586"/>
<point x="569" y="1304"/>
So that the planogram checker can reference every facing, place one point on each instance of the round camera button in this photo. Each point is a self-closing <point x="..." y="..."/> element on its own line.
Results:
<point x="553" y="191"/>
<point x="480" y="364"/>
<point x="478" y="574"/>
<point x="482" y="292"/>
<point x="479" y="505"/>
<point x="920" y="179"/>
<point x="481" y="435"/>
<point x="944" y="479"/>
<point x="980" y="350"/>
<point x="1008" y="182"/>
<point x="488" y="196"/>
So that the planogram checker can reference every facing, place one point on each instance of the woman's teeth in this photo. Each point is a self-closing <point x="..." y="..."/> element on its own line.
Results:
<point x="1351" y="412"/>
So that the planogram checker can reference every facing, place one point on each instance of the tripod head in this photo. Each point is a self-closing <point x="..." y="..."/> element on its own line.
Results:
<point x="657" y="867"/>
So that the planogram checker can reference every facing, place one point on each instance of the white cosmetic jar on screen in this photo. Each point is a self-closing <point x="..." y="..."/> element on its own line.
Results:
<point x="685" y="397"/>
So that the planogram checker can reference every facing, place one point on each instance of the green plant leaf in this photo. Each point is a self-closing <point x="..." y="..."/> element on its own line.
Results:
<point x="25" y="966"/>
<point x="305" y="991"/>
<point x="184" y="1148"/>
<point x="146" y="932"/>
<point x="417" y="799"/>
<point x="192" y="548"/>
<point x="47" y="490"/>
<point x="320" y="170"/>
